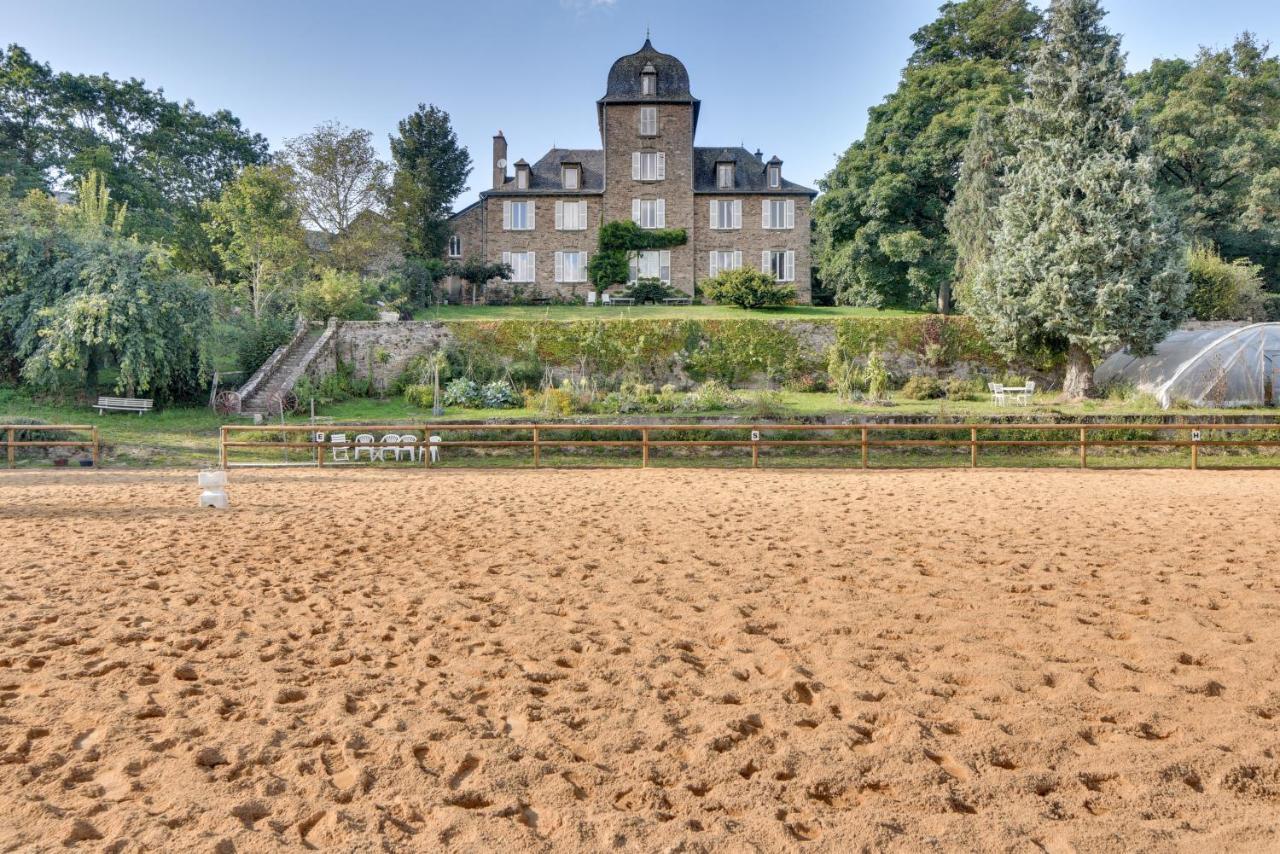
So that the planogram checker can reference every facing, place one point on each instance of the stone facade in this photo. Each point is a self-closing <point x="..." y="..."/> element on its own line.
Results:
<point x="378" y="349"/>
<point x="648" y="114"/>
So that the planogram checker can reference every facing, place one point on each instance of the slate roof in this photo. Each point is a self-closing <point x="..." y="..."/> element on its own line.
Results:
<point x="624" y="78"/>
<point x="749" y="177"/>
<point x="544" y="176"/>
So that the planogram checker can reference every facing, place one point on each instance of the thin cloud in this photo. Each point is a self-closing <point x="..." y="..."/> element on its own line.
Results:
<point x="582" y="6"/>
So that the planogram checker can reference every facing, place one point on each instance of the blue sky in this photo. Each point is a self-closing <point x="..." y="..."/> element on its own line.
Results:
<point x="792" y="78"/>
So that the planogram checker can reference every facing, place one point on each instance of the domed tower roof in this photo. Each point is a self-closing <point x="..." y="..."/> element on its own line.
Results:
<point x="672" y="79"/>
<point x="624" y="77"/>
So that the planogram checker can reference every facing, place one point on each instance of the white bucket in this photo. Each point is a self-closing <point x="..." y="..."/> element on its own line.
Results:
<point x="215" y="489"/>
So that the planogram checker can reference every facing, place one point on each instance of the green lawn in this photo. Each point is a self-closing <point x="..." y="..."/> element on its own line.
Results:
<point x="644" y="312"/>
<point x="188" y="436"/>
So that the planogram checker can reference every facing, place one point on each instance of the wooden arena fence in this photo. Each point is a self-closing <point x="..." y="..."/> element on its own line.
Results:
<point x="9" y="436"/>
<point x="860" y="439"/>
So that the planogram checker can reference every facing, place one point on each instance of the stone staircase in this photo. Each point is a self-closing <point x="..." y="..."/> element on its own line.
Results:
<point x="263" y="393"/>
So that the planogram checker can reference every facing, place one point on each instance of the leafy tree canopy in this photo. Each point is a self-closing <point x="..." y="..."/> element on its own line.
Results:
<point x="880" y="222"/>
<point x="338" y="175"/>
<point x="431" y="169"/>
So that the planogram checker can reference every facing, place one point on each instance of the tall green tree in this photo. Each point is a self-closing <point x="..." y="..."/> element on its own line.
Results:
<point x="29" y="120"/>
<point x="256" y="229"/>
<point x="77" y="296"/>
<point x="880" y="222"/>
<point x="971" y="217"/>
<point x="1084" y="259"/>
<point x="431" y="169"/>
<point x="338" y="175"/>
<point x="1215" y="124"/>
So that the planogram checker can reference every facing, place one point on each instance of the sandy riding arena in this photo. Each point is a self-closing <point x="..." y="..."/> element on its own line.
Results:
<point x="641" y="661"/>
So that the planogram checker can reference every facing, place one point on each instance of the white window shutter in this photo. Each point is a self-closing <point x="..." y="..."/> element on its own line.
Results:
<point x="661" y="213"/>
<point x="737" y="213"/>
<point x="582" y="216"/>
<point x="559" y="266"/>
<point x="737" y="259"/>
<point x="559" y="215"/>
<point x="533" y="210"/>
<point x="662" y="165"/>
<point x="713" y="264"/>
<point x="506" y="217"/>
<point x="532" y="258"/>
<point x="635" y="166"/>
<point x="714" y="214"/>
<point x="791" y="213"/>
<point x="765" y="258"/>
<point x="791" y="265"/>
<point x="764" y="214"/>
<point x="664" y="265"/>
<point x="634" y="264"/>
<point x="635" y="211"/>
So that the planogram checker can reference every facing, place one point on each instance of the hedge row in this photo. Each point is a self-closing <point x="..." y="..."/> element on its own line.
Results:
<point x="728" y="350"/>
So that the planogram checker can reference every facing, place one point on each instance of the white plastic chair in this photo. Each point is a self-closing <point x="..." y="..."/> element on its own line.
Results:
<point x="341" y="453"/>
<point x="390" y="445"/>
<point x="408" y="447"/>
<point x="997" y="393"/>
<point x="591" y="297"/>
<point x="434" y="442"/>
<point x="1024" y="396"/>
<point x="604" y="299"/>
<point x="364" y="442"/>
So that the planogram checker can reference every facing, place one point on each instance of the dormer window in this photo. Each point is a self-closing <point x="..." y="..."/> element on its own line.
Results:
<point x="724" y="175"/>
<point x="571" y="176"/>
<point x="522" y="175"/>
<point x="774" y="172"/>
<point x="649" y="81"/>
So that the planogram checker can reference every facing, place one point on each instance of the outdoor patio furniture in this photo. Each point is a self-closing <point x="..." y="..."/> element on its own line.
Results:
<point x="365" y="443"/>
<point x="390" y="445"/>
<point x="677" y="301"/>
<point x="341" y="453"/>
<point x="434" y="441"/>
<point x="604" y="299"/>
<point x="409" y="442"/>
<point x="591" y="297"/>
<point x="997" y="394"/>
<point x="123" y="404"/>
<point x="624" y="300"/>
<point x="1022" y="394"/>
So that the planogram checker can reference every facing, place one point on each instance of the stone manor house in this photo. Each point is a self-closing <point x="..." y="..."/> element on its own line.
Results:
<point x="737" y="209"/>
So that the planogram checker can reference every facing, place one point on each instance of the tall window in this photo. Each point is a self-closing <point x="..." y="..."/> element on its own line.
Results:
<point x="781" y="264"/>
<point x="523" y="265"/>
<point x="775" y="176"/>
<point x="648" y="166"/>
<point x="571" y="266"/>
<point x="517" y="216"/>
<point x="571" y="216"/>
<point x="649" y="213"/>
<point x="648" y="84"/>
<point x="455" y="246"/>
<point x="724" y="175"/>
<point x="651" y="264"/>
<point x="570" y="176"/>
<point x="726" y="213"/>
<point x="522" y="178"/>
<point x="778" y="213"/>
<point x="724" y="259"/>
<point x="648" y="121"/>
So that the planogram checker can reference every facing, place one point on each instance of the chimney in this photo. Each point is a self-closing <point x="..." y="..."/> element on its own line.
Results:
<point x="759" y="154"/>
<point x="499" y="160"/>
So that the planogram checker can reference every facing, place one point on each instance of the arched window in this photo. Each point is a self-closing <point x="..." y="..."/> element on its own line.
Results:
<point x="455" y="246"/>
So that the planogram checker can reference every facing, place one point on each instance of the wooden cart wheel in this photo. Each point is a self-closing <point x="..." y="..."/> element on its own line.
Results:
<point x="227" y="403"/>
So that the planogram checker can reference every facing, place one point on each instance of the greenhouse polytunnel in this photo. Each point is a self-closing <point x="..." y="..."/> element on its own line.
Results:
<point x="1222" y="365"/>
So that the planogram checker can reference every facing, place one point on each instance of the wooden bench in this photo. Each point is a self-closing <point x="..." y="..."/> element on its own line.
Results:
<point x="123" y="404"/>
<point x="678" y="301"/>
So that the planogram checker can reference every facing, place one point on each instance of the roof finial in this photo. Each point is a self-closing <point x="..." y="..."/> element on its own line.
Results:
<point x="646" y="32"/>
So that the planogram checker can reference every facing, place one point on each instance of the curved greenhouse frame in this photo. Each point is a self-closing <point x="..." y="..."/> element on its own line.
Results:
<point x="1214" y="366"/>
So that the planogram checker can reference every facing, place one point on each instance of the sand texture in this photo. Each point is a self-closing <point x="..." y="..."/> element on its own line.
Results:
<point x="641" y="661"/>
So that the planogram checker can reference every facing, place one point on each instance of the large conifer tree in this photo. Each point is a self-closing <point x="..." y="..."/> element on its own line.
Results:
<point x="971" y="218"/>
<point x="1083" y="259"/>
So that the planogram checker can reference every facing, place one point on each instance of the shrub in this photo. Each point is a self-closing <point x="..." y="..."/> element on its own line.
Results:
<point x="462" y="391"/>
<point x="335" y="294"/>
<point x="923" y="388"/>
<point x="550" y="401"/>
<point x="498" y="395"/>
<point x="260" y="340"/>
<point x="747" y="288"/>
<point x="958" y="389"/>
<point x="1222" y="290"/>
<point x="876" y="377"/>
<point x="711" y="395"/>
<point x="419" y="396"/>
<point x="766" y="403"/>
<point x="649" y="289"/>
<point x="844" y="374"/>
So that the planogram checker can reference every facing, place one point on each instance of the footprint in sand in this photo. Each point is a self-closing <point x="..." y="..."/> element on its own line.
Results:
<point x="948" y="764"/>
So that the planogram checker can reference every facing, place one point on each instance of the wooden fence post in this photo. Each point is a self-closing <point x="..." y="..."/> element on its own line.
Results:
<point x="537" y="448"/>
<point x="222" y="447"/>
<point x="97" y="448"/>
<point x="12" y="457"/>
<point x="755" y="447"/>
<point x="1195" y="453"/>
<point x="319" y="450"/>
<point x="644" y="447"/>
<point x="1084" y="449"/>
<point x="973" y="447"/>
<point x="864" y="446"/>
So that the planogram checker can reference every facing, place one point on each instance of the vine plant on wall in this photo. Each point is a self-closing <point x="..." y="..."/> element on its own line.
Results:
<point x="611" y="265"/>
